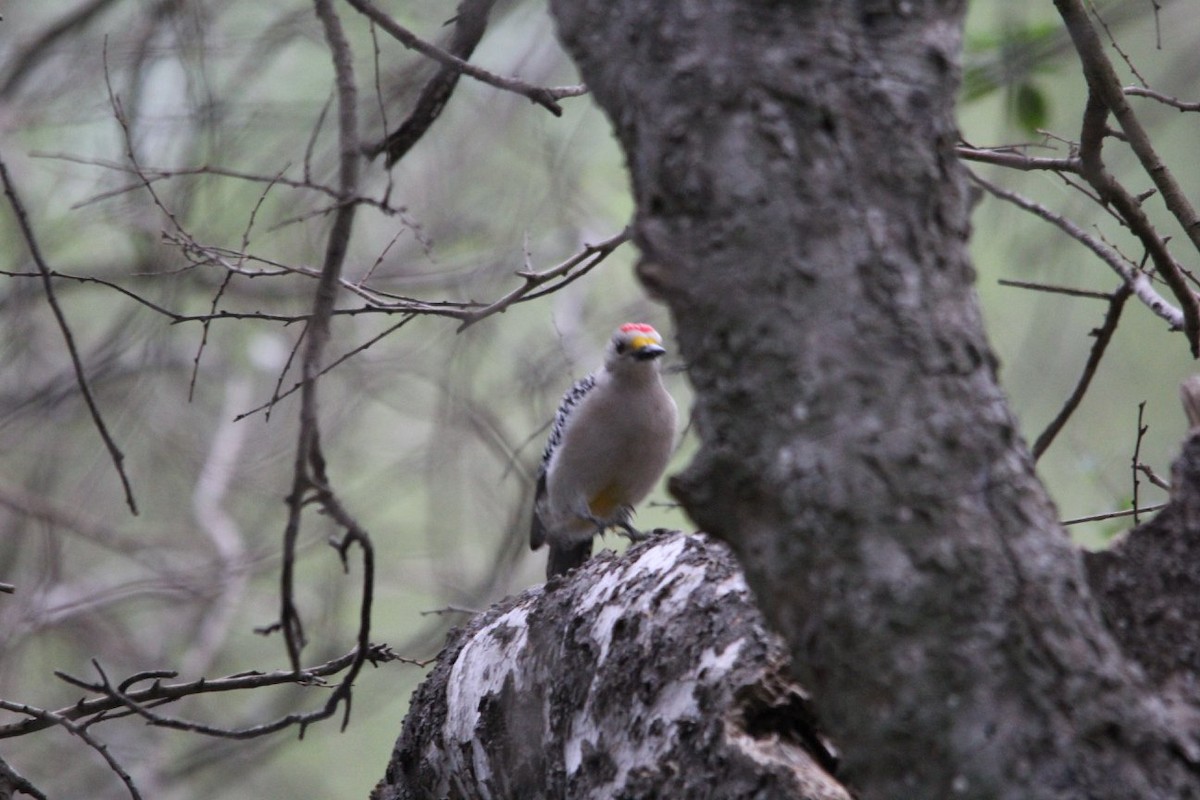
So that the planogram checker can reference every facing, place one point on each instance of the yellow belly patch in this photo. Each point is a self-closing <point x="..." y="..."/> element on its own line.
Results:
<point x="604" y="502"/>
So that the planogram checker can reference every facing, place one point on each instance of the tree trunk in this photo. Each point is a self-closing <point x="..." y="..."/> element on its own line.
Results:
<point x="800" y="210"/>
<point x="1148" y="584"/>
<point x="651" y="676"/>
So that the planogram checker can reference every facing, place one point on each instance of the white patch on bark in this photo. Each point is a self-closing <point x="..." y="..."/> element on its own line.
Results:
<point x="481" y="669"/>
<point x="677" y="702"/>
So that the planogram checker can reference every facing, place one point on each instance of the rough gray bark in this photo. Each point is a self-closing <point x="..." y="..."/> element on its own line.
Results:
<point x="651" y="676"/>
<point x="801" y="212"/>
<point x="1148" y="584"/>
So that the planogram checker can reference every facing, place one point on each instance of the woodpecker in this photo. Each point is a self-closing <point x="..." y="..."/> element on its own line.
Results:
<point x="610" y="442"/>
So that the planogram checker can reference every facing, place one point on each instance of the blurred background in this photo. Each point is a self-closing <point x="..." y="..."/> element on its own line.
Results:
<point x="432" y="435"/>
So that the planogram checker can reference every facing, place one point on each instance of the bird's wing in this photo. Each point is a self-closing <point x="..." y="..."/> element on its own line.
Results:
<point x="574" y="395"/>
<point x="537" y="528"/>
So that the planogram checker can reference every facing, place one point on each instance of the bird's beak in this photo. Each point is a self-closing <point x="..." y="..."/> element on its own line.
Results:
<point x="646" y="349"/>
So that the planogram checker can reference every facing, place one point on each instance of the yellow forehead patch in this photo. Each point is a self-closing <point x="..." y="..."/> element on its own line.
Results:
<point x="638" y="342"/>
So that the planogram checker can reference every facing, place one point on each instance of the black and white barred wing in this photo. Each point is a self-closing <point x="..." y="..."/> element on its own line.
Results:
<point x="572" y="398"/>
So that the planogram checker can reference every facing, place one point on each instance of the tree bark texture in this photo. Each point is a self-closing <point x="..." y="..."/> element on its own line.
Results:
<point x="648" y="676"/>
<point x="1148" y="585"/>
<point x="801" y="212"/>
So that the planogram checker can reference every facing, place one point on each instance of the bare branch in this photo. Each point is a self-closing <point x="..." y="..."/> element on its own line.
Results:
<point x="469" y="27"/>
<point x="12" y="782"/>
<point x="1136" y="459"/>
<point x="590" y="256"/>
<point x="1138" y="281"/>
<point x="1105" y="92"/>
<point x="1153" y="476"/>
<point x="1014" y="159"/>
<point x="1174" y="102"/>
<point x="69" y="519"/>
<point x="317" y="333"/>
<point x="1050" y="289"/>
<point x="1111" y="192"/>
<point x="1104" y="335"/>
<point x="94" y="709"/>
<point x="1129" y="512"/>
<point x="1112" y="40"/>
<point x="547" y="98"/>
<point x="277" y="395"/>
<point x="114" y="452"/>
<point x="38" y="48"/>
<point x="50" y="718"/>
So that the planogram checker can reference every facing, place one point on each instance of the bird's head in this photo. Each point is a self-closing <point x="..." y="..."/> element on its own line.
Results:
<point x="634" y="345"/>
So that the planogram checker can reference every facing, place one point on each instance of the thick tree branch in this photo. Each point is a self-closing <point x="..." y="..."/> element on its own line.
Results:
<point x="37" y="48"/>
<point x="1106" y="86"/>
<point x="645" y="675"/>
<point x="1091" y="141"/>
<point x="547" y="98"/>
<point x="317" y="333"/>
<point x="1105" y="96"/>
<point x="469" y="26"/>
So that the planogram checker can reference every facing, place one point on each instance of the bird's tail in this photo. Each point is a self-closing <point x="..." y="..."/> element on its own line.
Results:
<point x="566" y="557"/>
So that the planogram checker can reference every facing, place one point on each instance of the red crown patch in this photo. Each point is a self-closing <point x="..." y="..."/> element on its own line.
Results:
<point x="640" y="327"/>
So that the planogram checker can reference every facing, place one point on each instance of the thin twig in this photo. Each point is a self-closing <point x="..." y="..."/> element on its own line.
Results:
<point x="312" y="141"/>
<point x="277" y="395"/>
<point x="1137" y="280"/>
<point x="449" y="610"/>
<point x="1104" y="335"/>
<point x="51" y="718"/>
<point x="1114" y="514"/>
<point x="140" y="701"/>
<point x="147" y="175"/>
<point x="1016" y="160"/>
<point x="225" y="285"/>
<point x="1133" y="462"/>
<point x="91" y="710"/>
<point x="1153" y="476"/>
<point x="534" y="285"/>
<point x="287" y="365"/>
<point x="1112" y="40"/>
<point x="1174" y="102"/>
<point x="1052" y="289"/>
<point x="23" y="223"/>
<point x="590" y="256"/>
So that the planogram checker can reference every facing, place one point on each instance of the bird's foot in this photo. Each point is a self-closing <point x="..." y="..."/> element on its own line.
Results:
<point x="601" y="525"/>
<point x="635" y="536"/>
<point x="631" y="533"/>
<point x="627" y="530"/>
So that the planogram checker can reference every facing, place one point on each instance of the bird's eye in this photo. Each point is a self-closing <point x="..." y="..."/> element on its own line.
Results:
<point x="621" y="348"/>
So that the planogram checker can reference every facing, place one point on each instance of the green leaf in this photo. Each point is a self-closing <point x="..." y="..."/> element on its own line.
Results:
<point x="1030" y="107"/>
